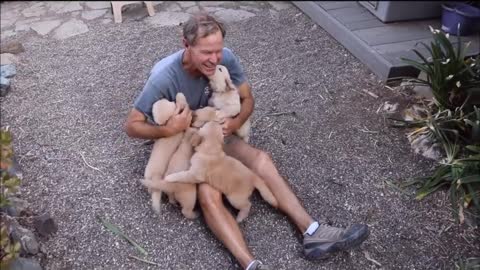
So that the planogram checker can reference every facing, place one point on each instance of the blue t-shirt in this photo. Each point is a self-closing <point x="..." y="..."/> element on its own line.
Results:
<point x="168" y="77"/>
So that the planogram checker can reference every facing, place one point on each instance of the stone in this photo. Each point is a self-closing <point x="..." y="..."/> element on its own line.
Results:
<point x="71" y="6"/>
<point x="17" y="206"/>
<point x="5" y="23"/>
<point x="280" y="5"/>
<point x="24" y="25"/>
<point x="71" y="28"/>
<point x="26" y="238"/>
<point x="212" y="3"/>
<point x="193" y="9"/>
<point x="45" y="225"/>
<point x="231" y="15"/>
<point x="34" y="11"/>
<point x="44" y="27"/>
<point x="173" y="7"/>
<point x="186" y="4"/>
<point x="25" y="264"/>
<point x="8" y="71"/>
<point x="4" y="86"/>
<point x="8" y="59"/>
<point x="168" y="18"/>
<point x="13" y="47"/>
<point x="93" y="14"/>
<point x="98" y="4"/>
<point x="7" y="34"/>
<point x="424" y="146"/>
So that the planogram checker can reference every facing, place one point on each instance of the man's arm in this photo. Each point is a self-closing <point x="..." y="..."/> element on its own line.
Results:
<point x="136" y="125"/>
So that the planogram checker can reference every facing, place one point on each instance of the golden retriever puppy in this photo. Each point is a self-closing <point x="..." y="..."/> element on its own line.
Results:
<point x="210" y="164"/>
<point x="183" y="193"/>
<point x="225" y="97"/>
<point x="163" y="148"/>
<point x="204" y="115"/>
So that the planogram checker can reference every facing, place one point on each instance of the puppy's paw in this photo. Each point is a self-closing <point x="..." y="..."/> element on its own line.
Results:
<point x="190" y="214"/>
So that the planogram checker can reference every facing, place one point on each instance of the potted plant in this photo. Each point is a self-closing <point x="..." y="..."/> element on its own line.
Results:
<point x="461" y="18"/>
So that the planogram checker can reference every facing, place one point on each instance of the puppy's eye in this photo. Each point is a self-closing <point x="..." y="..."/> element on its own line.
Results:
<point x="220" y="69"/>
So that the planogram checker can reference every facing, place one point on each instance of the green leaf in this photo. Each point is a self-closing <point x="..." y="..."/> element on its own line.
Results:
<point x="422" y="193"/>
<point x="117" y="231"/>
<point x="469" y="179"/>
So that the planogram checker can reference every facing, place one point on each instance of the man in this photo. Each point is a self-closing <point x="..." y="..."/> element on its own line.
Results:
<point x="186" y="71"/>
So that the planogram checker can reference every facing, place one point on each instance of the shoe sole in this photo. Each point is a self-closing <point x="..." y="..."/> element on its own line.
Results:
<point x="324" y="251"/>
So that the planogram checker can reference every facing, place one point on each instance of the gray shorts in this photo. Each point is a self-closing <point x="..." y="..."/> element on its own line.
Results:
<point x="230" y="138"/>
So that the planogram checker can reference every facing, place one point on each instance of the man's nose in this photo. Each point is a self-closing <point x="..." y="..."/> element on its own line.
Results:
<point x="213" y="58"/>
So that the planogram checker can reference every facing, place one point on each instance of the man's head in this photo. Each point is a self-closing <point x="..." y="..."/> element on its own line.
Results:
<point x="203" y="39"/>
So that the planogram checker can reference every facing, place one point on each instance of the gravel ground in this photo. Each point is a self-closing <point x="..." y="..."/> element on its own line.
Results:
<point x="67" y="112"/>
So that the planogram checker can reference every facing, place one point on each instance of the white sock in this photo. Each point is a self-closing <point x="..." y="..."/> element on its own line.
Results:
<point x="250" y="264"/>
<point x="312" y="228"/>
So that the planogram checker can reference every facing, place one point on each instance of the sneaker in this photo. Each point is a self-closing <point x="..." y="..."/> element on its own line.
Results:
<point x="257" y="265"/>
<point x="327" y="240"/>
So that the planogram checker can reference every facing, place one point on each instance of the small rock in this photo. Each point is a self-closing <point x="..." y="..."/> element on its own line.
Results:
<point x="4" y="86"/>
<point x="25" y="264"/>
<point x="8" y="71"/>
<point x="424" y="146"/>
<point x="26" y="238"/>
<point x="13" y="47"/>
<point x="8" y="59"/>
<point x="45" y="224"/>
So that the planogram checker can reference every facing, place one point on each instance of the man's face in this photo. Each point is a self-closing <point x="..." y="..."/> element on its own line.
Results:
<point x="206" y="54"/>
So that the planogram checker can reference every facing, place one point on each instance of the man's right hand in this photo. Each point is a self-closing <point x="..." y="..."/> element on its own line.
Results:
<point x="180" y="121"/>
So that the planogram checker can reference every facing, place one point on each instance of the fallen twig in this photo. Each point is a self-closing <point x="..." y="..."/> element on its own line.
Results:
<point x="117" y="231"/>
<point x="366" y="130"/>
<point x="279" y="113"/>
<point x="367" y="256"/>
<point x="143" y="260"/>
<point x="86" y="163"/>
<point x="370" y="93"/>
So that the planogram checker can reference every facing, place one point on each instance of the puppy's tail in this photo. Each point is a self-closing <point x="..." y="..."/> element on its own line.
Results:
<point x="265" y="192"/>
<point x="156" y="187"/>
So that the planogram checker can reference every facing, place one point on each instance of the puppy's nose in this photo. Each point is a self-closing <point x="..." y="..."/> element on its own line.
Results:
<point x="220" y="69"/>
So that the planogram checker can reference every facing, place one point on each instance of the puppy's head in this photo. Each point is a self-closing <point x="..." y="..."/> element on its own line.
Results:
<point x="162" y="110"/>
<point x="181" y="101"/>
<point x="220" y="81"/>
<point x="203" y="115"/>
<point x="212" y="131"/>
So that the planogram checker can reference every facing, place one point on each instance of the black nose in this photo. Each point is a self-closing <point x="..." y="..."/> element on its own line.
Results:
<point x="220" y="69"/>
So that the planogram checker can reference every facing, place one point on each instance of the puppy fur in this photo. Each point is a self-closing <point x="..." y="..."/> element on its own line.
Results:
<point x="210" y="164"/>
<point x="163" y="148"/>
<point x="225" y="97"/>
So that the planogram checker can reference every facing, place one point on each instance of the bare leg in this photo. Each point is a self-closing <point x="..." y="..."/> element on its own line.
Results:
<point x="222" y="223"/>
<point x="261" y="164"/>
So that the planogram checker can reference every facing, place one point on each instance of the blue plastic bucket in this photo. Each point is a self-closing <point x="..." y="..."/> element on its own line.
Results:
<point x="467" y="16"/>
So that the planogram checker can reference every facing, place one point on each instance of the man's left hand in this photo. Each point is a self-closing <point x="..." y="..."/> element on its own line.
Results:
<point x="230" y="125"/>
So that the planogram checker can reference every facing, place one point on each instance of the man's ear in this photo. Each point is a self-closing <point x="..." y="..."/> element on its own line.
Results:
<point x="196" y="139"/>
<point x="185" y="43"/>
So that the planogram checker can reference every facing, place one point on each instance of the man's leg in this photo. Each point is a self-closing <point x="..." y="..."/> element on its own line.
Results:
<point x="222" y="223"/>
<point x="320" y="240"/>
<point x="261" y="164"/>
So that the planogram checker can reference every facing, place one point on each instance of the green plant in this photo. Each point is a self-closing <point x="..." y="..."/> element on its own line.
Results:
<point x="457" y="133"/>
<point x="472" y="263"/>
<point x="450" y="76"/>
<point x="9" y="249"/>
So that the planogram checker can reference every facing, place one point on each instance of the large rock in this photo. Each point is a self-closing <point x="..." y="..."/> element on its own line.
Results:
<point x="25" y="264"/>
<point x="232" y="15"/>
<point x="4" y="86"/>
<point x="27" y="239"/>
<point x="13" y="47"/>
<point x="168" y="18"/>
<point x="43" y="28"/>
<point x="8" y="71"/>
<point x="34" y="11"/>
<point x="98" y="4"/>
<point x="93" y="14"/>
<point x="71" y="28"/>
<point x="45" y="224"/>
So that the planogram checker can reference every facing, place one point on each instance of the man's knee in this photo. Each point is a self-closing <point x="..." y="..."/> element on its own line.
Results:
<point x="262" y="159"/>
<point x="208" y="197"/>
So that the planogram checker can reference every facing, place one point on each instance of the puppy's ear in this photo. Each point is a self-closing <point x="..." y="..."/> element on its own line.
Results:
<point x="196" y="139"/>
